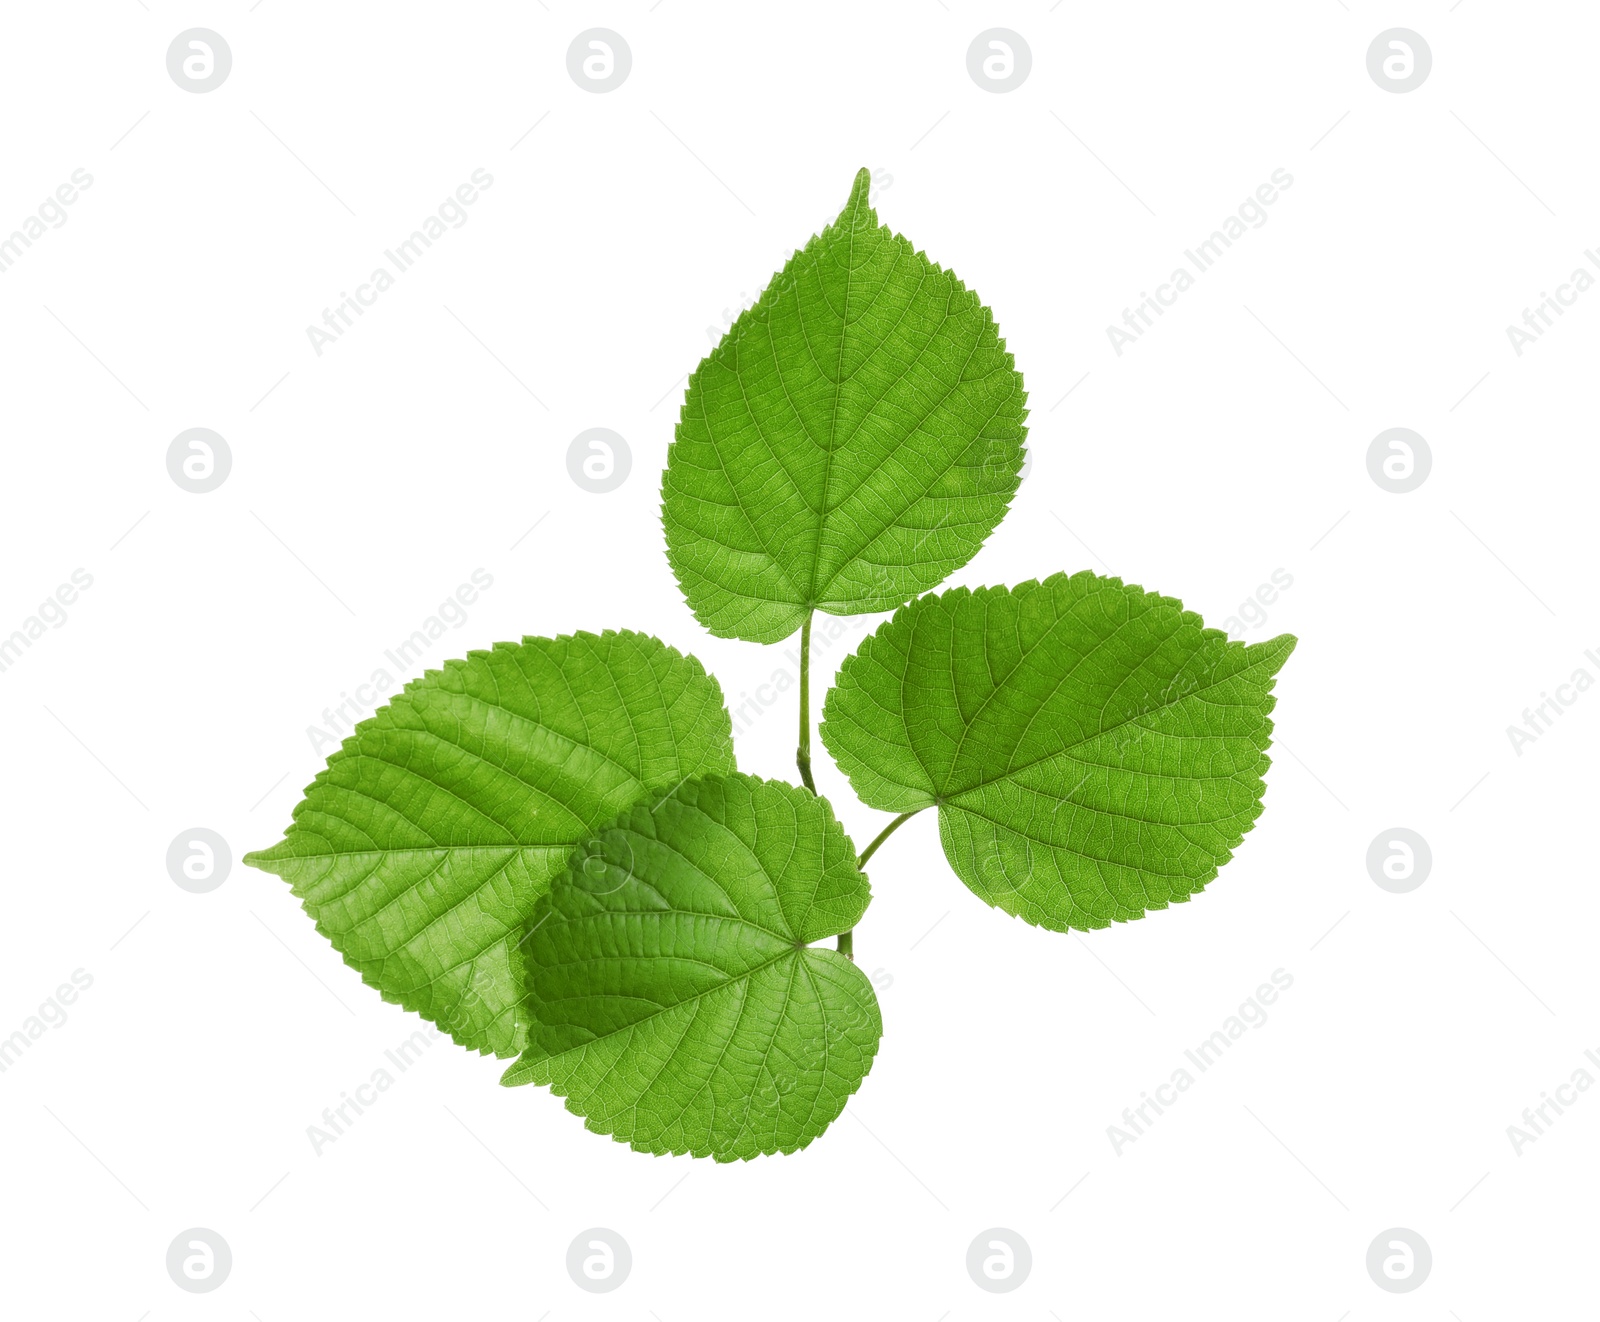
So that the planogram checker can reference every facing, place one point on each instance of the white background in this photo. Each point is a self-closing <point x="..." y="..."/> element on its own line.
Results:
<point x="1224" y="445"/>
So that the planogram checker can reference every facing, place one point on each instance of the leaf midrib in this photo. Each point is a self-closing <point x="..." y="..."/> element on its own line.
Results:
<point x="733" y="981"/>
<point x="1009" y="772"/>
<point x="266" y="855"/>
<point x="833" y="419"/>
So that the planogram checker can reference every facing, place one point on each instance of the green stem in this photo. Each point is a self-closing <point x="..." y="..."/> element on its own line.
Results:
<point x="802" y="754"/>
<point x="847" y="939"/>
<point x="883" y="835"/>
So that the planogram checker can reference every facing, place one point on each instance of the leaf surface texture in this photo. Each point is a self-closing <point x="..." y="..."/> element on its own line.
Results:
<point x="853" y="439"/>
<point x="677" y="1000"/>
<point x="1093" y="750"/>
<point x="424" y="845"/>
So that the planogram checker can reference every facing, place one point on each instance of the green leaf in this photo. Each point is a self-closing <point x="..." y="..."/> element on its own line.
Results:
<point x="676" y="999"/>
<point x="850" y="443"/>
<point x="1094" y="751"/>
<point x="423" y="846"/>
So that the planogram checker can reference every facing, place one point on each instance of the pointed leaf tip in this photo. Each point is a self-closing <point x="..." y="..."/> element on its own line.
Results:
<point x="423" y="847"/>
<point x="861" y="340"/>
<point x="859" y="190"/>
<point x="1276" y="650"/>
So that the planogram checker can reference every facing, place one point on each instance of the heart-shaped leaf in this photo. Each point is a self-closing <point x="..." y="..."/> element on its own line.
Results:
<point x="676" y="999"/>
<point x="423" y="846"/>
<point x="850" y="442"/>
<point x="1093" y="749"/>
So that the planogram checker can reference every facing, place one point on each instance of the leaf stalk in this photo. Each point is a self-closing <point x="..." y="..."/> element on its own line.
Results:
<point x="802" y="754"/>
<point x="847" y="939"/>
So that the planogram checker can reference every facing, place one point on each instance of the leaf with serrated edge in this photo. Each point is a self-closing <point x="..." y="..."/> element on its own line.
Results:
<point x="676" y="998"/>
<point x="851" y="442"/>
<point x="423" y="846"/>
<point x="1093" y="749"/>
